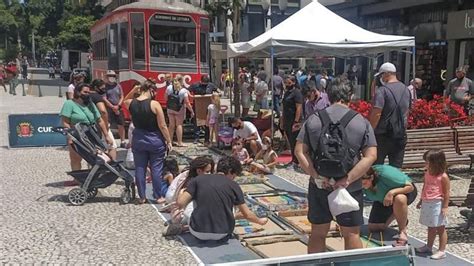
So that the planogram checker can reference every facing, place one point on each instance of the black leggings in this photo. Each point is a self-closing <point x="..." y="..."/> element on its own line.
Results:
<point x="291" y="135"/>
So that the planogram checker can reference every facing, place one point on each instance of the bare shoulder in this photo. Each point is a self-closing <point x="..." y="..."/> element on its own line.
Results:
<point x="445" y="177"/>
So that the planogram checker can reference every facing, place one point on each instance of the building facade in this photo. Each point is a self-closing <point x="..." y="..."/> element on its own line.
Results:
<point x="442" y="30"/>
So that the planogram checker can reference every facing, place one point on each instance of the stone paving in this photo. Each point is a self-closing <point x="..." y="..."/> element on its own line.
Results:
<point x="40" y="226"/>
<point x="459" y="242"/>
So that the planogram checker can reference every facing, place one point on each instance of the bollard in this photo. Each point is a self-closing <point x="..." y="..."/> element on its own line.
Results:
<point x="60" y="95"/>
<point x="40" y="94"/>
<point x="23" y="86"/>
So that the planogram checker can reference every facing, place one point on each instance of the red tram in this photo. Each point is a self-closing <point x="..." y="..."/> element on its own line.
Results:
<point x="150" y="38"/>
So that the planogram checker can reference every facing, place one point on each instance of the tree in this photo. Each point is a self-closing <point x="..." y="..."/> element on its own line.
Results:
<point x="75" y="32"/>
<point x="232" y="10"/>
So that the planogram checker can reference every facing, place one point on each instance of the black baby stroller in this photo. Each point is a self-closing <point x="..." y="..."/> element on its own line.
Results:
<point x="104" y="171"/>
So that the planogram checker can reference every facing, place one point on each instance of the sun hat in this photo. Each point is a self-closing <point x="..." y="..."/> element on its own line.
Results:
<point x="111" y="73"/>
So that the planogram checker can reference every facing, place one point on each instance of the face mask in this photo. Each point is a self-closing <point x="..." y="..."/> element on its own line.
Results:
<point x="85" y="98"/>
<point x="264" y="147"/>
<point x="101" y="91"/>
<point x="112" y="79"/>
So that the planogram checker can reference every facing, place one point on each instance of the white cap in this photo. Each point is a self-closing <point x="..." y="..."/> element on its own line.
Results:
<point x="111" y="73"/>
<point x="386" y="67"/>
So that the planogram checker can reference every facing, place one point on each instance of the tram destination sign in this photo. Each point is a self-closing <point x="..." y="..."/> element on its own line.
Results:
<point x="173" y="18"/>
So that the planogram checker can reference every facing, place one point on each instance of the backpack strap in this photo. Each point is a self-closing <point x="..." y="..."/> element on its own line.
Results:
<point x="324" y="117"/>
<point x="347" y="118"/>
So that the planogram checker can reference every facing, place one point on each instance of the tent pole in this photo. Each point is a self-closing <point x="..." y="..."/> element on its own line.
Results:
<point x="413" y="59"/>
<point x="272" y="89"/>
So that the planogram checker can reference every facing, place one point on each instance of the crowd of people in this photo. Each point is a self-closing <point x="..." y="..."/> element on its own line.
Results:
<point x="335" y="146"/>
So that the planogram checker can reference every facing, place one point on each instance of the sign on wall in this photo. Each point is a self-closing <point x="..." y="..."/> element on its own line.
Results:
<point x="461" y="24"/>
<point x="34" y="130"/>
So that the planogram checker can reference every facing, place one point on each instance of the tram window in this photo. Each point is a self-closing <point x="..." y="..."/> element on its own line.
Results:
<point x="123" y="40"/>
<point x="203" y="46"/>
<point x="112" y="40"/>
<point x="172" y="42"/>
<point x="138" y="44"/>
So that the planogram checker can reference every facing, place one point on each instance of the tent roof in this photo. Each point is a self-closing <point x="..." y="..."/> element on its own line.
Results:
<point x="317" y="31"/>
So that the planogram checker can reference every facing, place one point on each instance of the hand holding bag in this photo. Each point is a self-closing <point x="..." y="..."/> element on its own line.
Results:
<point x="340" y="201"/>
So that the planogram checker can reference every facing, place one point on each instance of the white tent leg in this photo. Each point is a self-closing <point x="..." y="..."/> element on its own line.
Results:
<point x="272" y="89"/>
<point x="413" y="59"/>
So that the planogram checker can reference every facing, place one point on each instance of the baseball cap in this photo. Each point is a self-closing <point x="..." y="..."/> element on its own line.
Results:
<point x="111" y="73"/>
<point x="386" y="67"/>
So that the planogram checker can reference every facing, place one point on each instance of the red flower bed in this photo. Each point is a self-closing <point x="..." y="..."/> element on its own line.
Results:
<point x="435" y="113"/>
<point x="361" y="107"/>
<point x="424" y="114"/>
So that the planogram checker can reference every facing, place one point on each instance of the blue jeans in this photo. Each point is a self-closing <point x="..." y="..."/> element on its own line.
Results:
<point x="149" y="149"/>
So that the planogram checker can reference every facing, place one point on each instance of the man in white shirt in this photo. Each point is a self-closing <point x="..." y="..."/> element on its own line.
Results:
<point x="246" y="131"/>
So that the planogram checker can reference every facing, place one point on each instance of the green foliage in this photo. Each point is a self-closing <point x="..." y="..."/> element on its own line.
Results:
<point x="75" y="33"/>
<point x="56" y="23"/>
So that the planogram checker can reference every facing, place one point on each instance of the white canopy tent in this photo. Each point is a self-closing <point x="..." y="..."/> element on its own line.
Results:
<point x="317" y="31"/>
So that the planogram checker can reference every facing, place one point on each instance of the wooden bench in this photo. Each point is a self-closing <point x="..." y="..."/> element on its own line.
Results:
<point x="420" y="140"/>
<point x="465" y="142"/>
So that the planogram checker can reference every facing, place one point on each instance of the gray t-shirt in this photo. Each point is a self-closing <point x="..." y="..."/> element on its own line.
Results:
<point x="458" y="89"/>
<point x="361" y="134"/>
<point x="113" y="93"/>
<point x="386" y="101"/>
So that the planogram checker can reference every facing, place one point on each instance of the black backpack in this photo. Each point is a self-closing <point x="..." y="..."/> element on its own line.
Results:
<point x="334" y="157"/>
<point x="395" y="123"/>
<point x="174" y="102"/>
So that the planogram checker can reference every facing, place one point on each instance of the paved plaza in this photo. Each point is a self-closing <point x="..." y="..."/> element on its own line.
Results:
<point x="40" y="226"/>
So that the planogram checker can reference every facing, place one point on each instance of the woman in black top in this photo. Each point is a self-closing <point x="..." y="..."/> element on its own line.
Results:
<point x="150" y="140"/>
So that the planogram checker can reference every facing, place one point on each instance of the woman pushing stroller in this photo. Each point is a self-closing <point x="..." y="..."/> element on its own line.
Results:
<point x="81" y="109"/>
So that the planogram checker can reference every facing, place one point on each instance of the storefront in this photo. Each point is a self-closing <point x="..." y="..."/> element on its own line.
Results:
<point x="461" y="41"/>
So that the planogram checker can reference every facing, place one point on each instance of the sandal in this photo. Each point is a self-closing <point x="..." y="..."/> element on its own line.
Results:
<point x="160" y="201"/>
<point x="438" y="255"/>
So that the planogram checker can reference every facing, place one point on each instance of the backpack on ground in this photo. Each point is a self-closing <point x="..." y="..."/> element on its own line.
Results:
<point x="174" y="103"/>
<point x="334" y="157"/>
<point x="395" y="123"/>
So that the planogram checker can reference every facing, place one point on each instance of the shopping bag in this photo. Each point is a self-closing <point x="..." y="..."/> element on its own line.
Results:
<point x="340" y="201"/>
<point x="129" y="163"/>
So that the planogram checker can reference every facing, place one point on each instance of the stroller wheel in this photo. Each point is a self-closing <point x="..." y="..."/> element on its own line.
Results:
<point x="77" y="196"/>
<point x="91" y="193"/>
<point x="126" y="197"/>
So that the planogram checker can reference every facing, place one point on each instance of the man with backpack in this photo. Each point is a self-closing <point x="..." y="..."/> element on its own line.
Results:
<point x="329" y="148"/>
<point x="389" y="116"/>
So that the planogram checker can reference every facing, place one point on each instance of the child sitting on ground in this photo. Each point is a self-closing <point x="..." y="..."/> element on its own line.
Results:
<point x="170" y="169"/>
<point x="213" y="118"/>
<point x="269" y="157"/>
<point x="240" y="153"/>
<point x="434" y="202"/>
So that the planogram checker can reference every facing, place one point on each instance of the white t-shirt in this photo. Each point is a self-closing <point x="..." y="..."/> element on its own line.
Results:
<point x="172" y="193"/>
<point x="244" y="89"/>
<point x="212" y="110"/>
<point x="261" y="89"/>
<point x="247" y="131"/>
<point x="70" y="88"/>
<point x="183" y="93"/>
